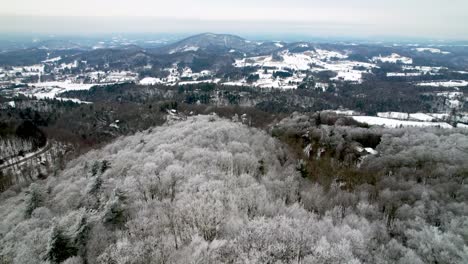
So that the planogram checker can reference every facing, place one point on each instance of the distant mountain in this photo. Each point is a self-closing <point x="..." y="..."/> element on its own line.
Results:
<point x="217" y="43"/>
<point x="128" y="56"/>
<point x="54" y="44"/>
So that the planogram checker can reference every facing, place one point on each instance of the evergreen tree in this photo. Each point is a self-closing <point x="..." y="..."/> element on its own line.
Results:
<point x="59" y="247"/>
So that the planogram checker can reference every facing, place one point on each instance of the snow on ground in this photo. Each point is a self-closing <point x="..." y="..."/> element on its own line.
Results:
<point x="150" y="81"/>
<point x="342" y="112"/>
<point x="315" y="61"/>
<point x="421" y="117"/>
<point x="31" y="68"/>
<point x="351" y="76"/>
<point x="450" y="95"/>
<point x="184" y="49"/>
<point x="236" y="83"/>
<point x="279" y="45"/>
<point x="66" y="85"/>
<point x="197" y="82"/>
<point x="184" y="76"/>
<point x="403" y="74"/>
<point x="424" y="69"/>
<point x="416" y="71"/>
<point x="405" y="116"/>
<point x="394" y="115"/>
<point x="53" y="59"/>
<point x="461" y="125"/>
<point x="327" y="54"/>
<point x="394" y="58"/>
<point x="71" y="65"/>
<point x="371" y="151"/>
<point x="266" y="80"/>
<point x="120" y="77"/>
<point x="451" y="83"/>
<point x="322" y="86"/>
<point x="454" y="103"/>
<point x="431" y="50"/>
<point x="297" y="61"/>
<point x="394" y="123"/>
<point x="49" y="90"/>
<point x="440" y="116"/>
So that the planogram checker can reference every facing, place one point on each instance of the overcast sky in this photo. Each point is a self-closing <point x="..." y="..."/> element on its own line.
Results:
<point x="416" y="18"/>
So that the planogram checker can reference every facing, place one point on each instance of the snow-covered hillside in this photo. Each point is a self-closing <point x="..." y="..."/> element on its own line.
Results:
<point x="317" y="60"/>
<point x="208" y="190"/>
<point x="393" y="58"/>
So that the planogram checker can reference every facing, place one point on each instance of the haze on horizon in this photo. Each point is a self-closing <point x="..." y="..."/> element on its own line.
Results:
<point x="358" y="18"/>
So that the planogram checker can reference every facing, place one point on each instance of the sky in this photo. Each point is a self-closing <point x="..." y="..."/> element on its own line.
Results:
<point x="361" y="18"/>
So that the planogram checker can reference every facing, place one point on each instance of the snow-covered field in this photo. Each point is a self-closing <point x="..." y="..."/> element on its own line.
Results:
<point x="150" y="81"/>
<point x="342" y="112"/>
<point x="175" y="77"/>
<point x="201" y="81"/>
<point x="295" y="61"/>
<point x="393" y="58"/>
<point x="394" y="115"/>
<point x="50" y="90"/>
<point x="313" y="60"/>
<point x="431" y="50"/>
<point x="395" y="123"/>
<point x="451" y="83"/>
<point x="411" y="71"/>
<point x="422" y="117"/>
<point x="404" y="74"/>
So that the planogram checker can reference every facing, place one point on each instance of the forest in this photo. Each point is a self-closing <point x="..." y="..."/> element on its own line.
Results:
<point x="210" y="189"/>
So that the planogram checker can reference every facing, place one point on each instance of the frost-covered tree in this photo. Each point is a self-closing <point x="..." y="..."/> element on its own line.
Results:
<point x="209" y="190"/>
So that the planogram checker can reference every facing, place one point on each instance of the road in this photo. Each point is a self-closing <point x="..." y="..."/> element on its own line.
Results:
<point x="29" y="156"/>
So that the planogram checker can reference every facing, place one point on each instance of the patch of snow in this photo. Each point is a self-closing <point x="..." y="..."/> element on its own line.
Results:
<point x="236" y="83"/>
<point x="431" y="50"/>
<point x="351" y="76"/>
<point x="184" y="49"/>
<point x="394" y="123"/>
<point x="393" y="58"/>
<point x="403" y="74"/>
<point x="371" y="151"/>
<point x="450" y="95"/>
<point x="53" y="59"/>
<point x="440" y="116"/>
<point x="279" y="45"/>
<point x="322" y="86"/>
<point x="114" y="125"/>
<point x="421" y="117"/>
<point x="451" y="83"/>
<point x="197" y="82"/>
<point x="394" y="115"/>
<point x="327" y="54"/>
<point x="315" y="61"/>
<point x="342" y="112"/>
<point x="66" y="85"/>
<point x="150" y="81"/>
